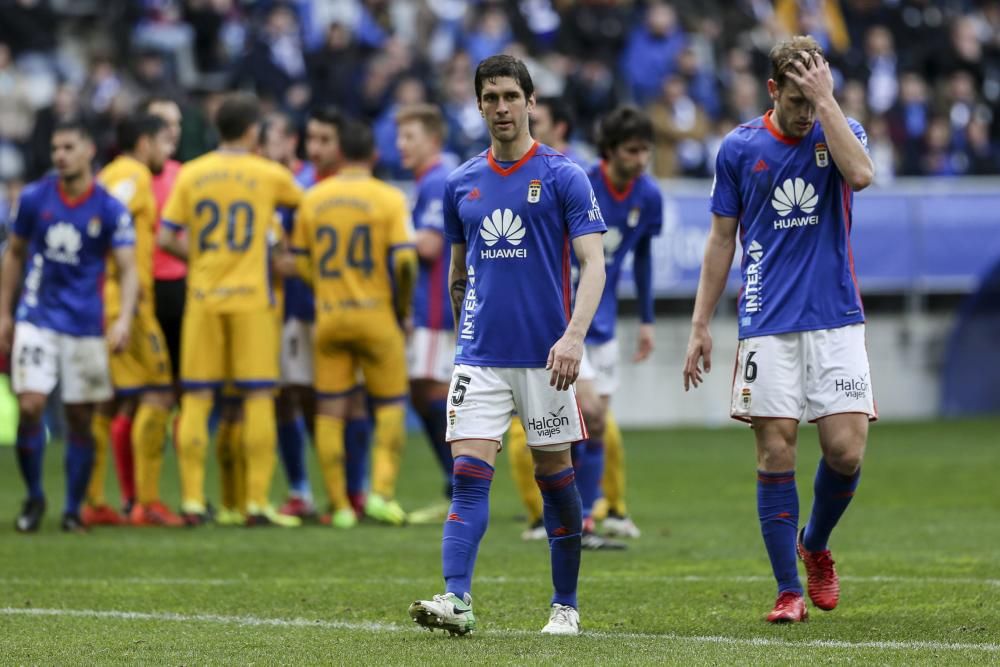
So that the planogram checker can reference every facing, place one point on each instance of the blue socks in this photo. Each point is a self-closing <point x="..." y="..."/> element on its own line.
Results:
<point x="79" y="463"/>
<point x="292" y="447"/>
<point x="30" y="452"/>
<point x="563" y="519"/>
<point x="832" y="494"/>
<point x="778" y="509"/>
<point x="589" y="465"/>
<point x="435" y="421"/>
<point x="357" y="437"/>
<point x="466" y="524"/>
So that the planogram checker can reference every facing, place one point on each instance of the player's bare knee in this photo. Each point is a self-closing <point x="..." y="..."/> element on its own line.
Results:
<point x="484" y="450"/>
<point x="845" y="457"/>
<point x="161" y="399"/>
<point x="551" y="463"/>
<point x="31" y="407"/>
<point x="596" y="422"/>
<point x="79" y="417"/>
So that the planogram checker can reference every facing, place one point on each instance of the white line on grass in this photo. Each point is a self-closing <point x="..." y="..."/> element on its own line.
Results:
<point x="252" y="621"/>
<point x="408" y="581"/>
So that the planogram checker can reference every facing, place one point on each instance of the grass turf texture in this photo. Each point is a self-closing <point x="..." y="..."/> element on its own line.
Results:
<point x="917" y="551"/>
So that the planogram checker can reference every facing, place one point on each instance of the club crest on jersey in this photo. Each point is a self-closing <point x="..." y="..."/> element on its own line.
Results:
<point x="822" y="155"/>
<point x="534" y="191"/>
<point x="633" y="217"/>
<point x="94" y="228"/>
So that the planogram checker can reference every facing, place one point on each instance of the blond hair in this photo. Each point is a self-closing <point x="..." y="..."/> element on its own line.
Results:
<point x="786" y="53"/>
<point x="427" y="115"/>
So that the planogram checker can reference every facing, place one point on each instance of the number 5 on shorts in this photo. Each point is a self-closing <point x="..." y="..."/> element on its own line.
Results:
<point x="458" y="393"/>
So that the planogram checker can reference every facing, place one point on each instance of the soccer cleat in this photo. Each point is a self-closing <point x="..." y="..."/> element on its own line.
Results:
<point x="446" y="612"/>
<point x="101" y="515"/>
<point x="384" y="511"/>
<point x="299" y="507"/>
<point x="620" y="526"/>
<point x="72" y="523"/>
<point x="194" y="514"/>
<point x="154" y="514"/>
<point x="788" y="608"/>
<point x="824" y="585"/>
<point x="535" y="531"/>
<point x="344" y="518"/>
<point x="31" y="515"/>
<point x="564" y="620"/>
<point x="436" y="513"/>
<point x="594" y="542"/>
<point x="268" y="516"/>
<point x="230" y="517"/>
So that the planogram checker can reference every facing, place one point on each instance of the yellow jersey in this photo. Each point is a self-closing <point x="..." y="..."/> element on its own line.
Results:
<point x="226" y="202"/>
<point x="348" y="226"/>
<point x="131" y="182"/>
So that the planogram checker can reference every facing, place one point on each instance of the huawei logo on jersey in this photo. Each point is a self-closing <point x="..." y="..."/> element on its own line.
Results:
<point x="792" y="194"/>
<point x="503" y="225"/>
<point x="63" y="243"/>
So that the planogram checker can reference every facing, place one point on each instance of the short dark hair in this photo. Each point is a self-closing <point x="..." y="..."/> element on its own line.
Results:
<point x="357" y="142"/>
<point x="328" y="115"/>
<point x="237" y="113"/>
<point x="503" y="65"/>
<point x="623" y="124"/>
<point x="559" y="110"/>
<point x="279" y="117"/>
<point x="133" y="128"/>
<point x="75" y="124"/>
<point x="785" y="54"/>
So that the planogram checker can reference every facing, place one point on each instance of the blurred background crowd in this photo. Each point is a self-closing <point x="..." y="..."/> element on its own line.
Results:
<point x="923" y="76"/>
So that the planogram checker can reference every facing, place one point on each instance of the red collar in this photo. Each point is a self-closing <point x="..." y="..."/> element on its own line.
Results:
<point x="70" y="201"/>
<point x="418" y="175"/>
<point x="617" y="195"/>
<point x="507" y="171"/>
<point x="776" y="133"/>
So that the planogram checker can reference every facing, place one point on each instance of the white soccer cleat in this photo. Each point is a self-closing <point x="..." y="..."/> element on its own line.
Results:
<point x="564" y="620"/>
<point x="535" y="531"/>
<point x="446" y="612"/>
<point x="620" y="526"/>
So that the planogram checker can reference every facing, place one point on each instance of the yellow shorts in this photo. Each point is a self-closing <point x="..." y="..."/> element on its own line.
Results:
<point x="145" y="364"/>
<point x="373" y="344"/>
<point x="241" y="346"/>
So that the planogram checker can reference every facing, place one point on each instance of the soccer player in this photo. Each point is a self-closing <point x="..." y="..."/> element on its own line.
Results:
<point x="65" y="227"/>
<point x="226" y="202"/>
<point x="141" y="373"/>
<point x="420" y="135"/>
<point x="552" y="124"/>
<point x="352" y="234"/>
<point x="785" y="182"/>
<point x="511" y="214"/>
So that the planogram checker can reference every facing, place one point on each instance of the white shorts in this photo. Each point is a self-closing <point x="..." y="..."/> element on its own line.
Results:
<point x="808" y="374"/>
<point x="600" y="366"/>
<point x="42" y="358"/>
<point x="482" y="400"/>
<point x="431" y="354"/>
<point x="297" y="353"/>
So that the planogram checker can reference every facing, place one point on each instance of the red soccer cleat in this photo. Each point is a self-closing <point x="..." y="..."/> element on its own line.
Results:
<point x="154" y="514"/>
<point x="824" y="585"/>
<point x="101" y="515"/>
<point x="300" y="507"/>
<point x="789" y="608"/>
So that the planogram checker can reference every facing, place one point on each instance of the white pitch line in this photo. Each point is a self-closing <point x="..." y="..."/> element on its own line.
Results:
<point x="408" y="581"/>
<point x="257" y="621"/>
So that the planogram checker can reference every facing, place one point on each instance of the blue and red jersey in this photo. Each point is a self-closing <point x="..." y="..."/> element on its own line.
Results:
<point x="517" y="221"/>
<point x="68" y="245"/>
<point x="794" y="210"/>
<point x="431" y="306"/>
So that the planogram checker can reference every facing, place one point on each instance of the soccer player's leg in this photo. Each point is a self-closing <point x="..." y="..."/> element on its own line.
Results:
<point x="841" y="402"/>
<point x="384" y="366"/>
<point x="231" y="458"/>
<point x="767" y="391"/>
<point x="296" y="378"/>
<point x="556" y="479"/>
<point x="95" y="510"/>
<point x="522" y="468"/>
<point x="335" y="379"/>
<point x="254" y="363"/>
<point x="86" y="382"/>
<point x="357" y="446"/>
<point x="203" y="370"/>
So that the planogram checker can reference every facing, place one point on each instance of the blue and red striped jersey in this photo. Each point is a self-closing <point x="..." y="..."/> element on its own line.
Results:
<point x="431" y="307"/>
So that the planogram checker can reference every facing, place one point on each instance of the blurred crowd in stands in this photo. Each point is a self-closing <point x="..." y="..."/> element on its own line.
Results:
<point x="923" y="76"/>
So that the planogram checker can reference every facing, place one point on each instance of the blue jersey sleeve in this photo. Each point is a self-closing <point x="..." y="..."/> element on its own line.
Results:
<point x="580" y="209"/>
<point x="117" y="223"/>
<point x="24" y="221"/>
<point x="453" y="229"/>
<point x="431" y="206"/>
<point x="859" y="132"/>
<point x="652" y="224"/>
<point x="725" y="189"/>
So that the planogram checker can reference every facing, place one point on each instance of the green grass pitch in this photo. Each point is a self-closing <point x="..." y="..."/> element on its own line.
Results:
<point x="918" y="552"/>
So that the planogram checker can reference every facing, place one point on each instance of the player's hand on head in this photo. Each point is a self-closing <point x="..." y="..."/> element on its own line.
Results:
<point x="812" y="75"/>
<point x="644" y="344"/>
<point x="564" y="362"/>
<point x="699" y="349"/>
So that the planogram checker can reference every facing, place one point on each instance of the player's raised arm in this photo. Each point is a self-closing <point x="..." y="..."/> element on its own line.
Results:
<point x="719" y="250"/>
<point x="848" y="150"/>
<point x="11" y="270"/>
<point x="565" y="355"/>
